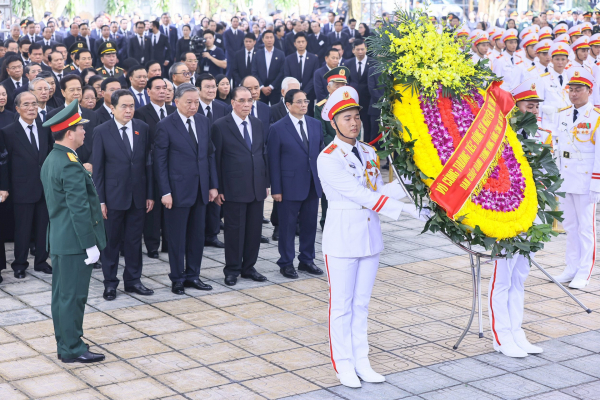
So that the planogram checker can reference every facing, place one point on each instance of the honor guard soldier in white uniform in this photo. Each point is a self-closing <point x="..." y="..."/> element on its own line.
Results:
<point x="529" y="65"/>
<point x="559" y="29"/>
<point x="480" y="45"/>
<point x="545" y="33"/>
<point x="351" y="179"/>
<point x="507" y="65"/>
<point x="594" y="56"/>
<point x="553" y="85"/>
<point x="462" y="36"/>
<point x="574" y="33"/>
<point x="496" y="41"/>
<point x="579" y="157"/>
<point x="507" y="285"/>
<point x="581" y="51"/>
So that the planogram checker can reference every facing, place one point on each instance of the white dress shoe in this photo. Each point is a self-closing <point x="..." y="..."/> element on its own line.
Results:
<point x="349" y="379"/>
<point x="510" y="349"/>
<point x="368" y="375"/>
<point x="564" y="277"/>
<point x="523" y="343"/>
<point x="578" y="283"/>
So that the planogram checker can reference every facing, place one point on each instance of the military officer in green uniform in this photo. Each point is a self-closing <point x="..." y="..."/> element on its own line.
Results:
<point x="75" y="233"/>
<point x="336" y="78"/>
<point x="71" y="68"/>
<point x="108" y="57"/>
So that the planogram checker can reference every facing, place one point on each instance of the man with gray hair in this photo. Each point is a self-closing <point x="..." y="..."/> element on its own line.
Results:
<point x="179" y="74"/>
<point x="185" y="168"/>
<point x="41" y="90"/>
<point x="279" y="110"/>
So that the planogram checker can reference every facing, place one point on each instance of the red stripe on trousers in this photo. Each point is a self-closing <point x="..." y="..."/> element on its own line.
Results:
<point x="594" y="254"/>
<point x="329" y="318"/>
<point x="492" y="308"/>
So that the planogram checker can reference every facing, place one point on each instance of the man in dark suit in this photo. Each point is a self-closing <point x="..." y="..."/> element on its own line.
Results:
<point x="351" y="30"/>
<point x="267" y="67"/>
<point x="376" y="93"/>
<point x="318" y="43"/>
<point x="15" y="80"/>
<point x="107" y="88"/>
<point x="170" y="32"/>
<point x="57" y="63"/>
<point x="70" y="87"/>
<point x="152" y="113"/>
<point x="359" y="80"/>
<point x="279" y="110"/>
<point x="213" y="110"/>
<point x="293" y="147"/>
<point x="30" y="32"/>
<point x="259" y="109"/>
<point x="28" y="144"/>
<point x="90" y="42"/>
<point x="242" y="169"/>
<point x="242" y="60"/>
<point x="158" y="48"/>
<point x="138" y="44"/>
<point x="328" y="27"/>
<point x="123" y="179"/>
<point x="279" y="43"/>
<point x="302" y="66"/>
<point x="185" y="163"/>
<point x="72" y="36"/>
<point x="234" y="42"/>
<point x="332" y="60"/>
<point x="290" y="38"/>
<point x="46" y="38"/>
<point x="339" y="36"/>
<point x="138" y="77"/>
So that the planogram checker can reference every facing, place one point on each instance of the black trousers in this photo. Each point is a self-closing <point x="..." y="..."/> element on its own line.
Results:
<point x="30" y="217"/>
<point x="123" y="226"/>
<point x="275" y="214"/>
<point x="186" y="240"/>
<point x="213" y="221"/>
<point x="154" y="224"/>
<point x="243" y="227"/>
<point x="292" y="212"/>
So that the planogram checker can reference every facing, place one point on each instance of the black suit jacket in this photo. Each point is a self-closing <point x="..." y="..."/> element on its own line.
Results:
<point x="24" y="166"/>
<point x="10" y="91"/>
<point x="375" y="90"/>
<point x="135" y="51"/>
<point x="318" y="46"/>
<point x="103" y="115"/>
<point x="137" y="99"/>
<point x="274" y="75"/>
<point x="344" y="40"/>
<point x="307" y="82"/>
<point x="159" y="52"/>
<point x="360" y="83"/>
<point x="242" y="171"/>
<point x="120" y="179"/>
<point x="183" y="168"/>
<point x="288" y="43"/>
<point x="85" y="151"/>
<point x="173" y="36"/>
<point x="239" y="69"/>
<point x="69" y="40"/>
<point x="278" y="111"/>
<point x="148" y="115"/>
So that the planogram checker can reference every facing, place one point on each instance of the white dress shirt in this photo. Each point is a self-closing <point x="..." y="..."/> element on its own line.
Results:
<point x="35" y="132"/>
<point x="128" y="132"/>
<point x="303" y="59"/>
<point x="203" y="105"/>
<point x="297" y="125"/>
<point x="238" y="122"/>
<point x="135" y="93"/>
<point x="157" y="108"/>
<point x="249" y="53"/>
<point x="254" y="110"/>
<point x="45" y="109"/>
<point x="269" y="57"/>
<point x="15" y="82"/>
<point x="110" y="72"/>
<point x="184" y="119"/>
<point x="155" y="37"/>
<point x="109" y="111"/>
<point x="363" y="65"/>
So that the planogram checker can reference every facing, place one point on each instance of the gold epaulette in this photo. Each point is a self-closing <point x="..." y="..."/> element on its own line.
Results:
<point x="531" y="68"/>
<point x="72" y="157"/>
<point x="597" y="110"/>
<point x="564" y="108"/>
<point x="373" y="147"/>
<point x="545" y="74"/>
<point x="98" y="69"/>
<point x="330" y="148"/>
<point x="322" y="102"/>
<point x="119" y="69"/>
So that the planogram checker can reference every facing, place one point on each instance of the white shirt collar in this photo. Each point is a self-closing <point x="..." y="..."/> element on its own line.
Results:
<point x="184" y="119"/>
<point x="136" y="92"/>
<point x="238" y="120"/>
<point x="129" y="126"/>
<point x="295" y="121"/>
<point x="204" y="105"/>
<point x="108" y="109"/>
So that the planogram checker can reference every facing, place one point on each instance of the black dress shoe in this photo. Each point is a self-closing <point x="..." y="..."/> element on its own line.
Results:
<point x="153" y="254"/>
<point x="177" y="288"/>
<point x="85" y="358"/>
<point x="310" y="268"/>
<point x="97" y="265"/>
<point x="86" y="345"/>
<point x="297" y="229"/>
<point x="44" y="268"/>
<point x="1" y="279"/>
<point x="264" y="239"/>
<point x="197" y="284"/>
<point x="139" y="289"/>
<point x="122" y="253"/>
<point x="110" y="294"/>
<point x="266" y="220"/>
<point x="289" y="272"/>
<point x="164" y="248"/>
<point x="214" y="243"/>
<point x="20" y="274"/>
<point x="222" y="225"/>
<point x="230" y="280"/>
<point x="275" y="236"/>
<point x="255" y="276"/>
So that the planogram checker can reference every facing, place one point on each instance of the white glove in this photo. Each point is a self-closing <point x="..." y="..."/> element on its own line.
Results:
<point x="411" y="210"/>
<point x="594" y="197"/>
<point x="93" y="255"/>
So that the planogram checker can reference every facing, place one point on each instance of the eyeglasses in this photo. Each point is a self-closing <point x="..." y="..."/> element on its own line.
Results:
<point x="301" y="102"/>
<point x="242" y="101"/>
<point x="29" y="105"/>
<point x="183" y="73"/>
<point x="15" y="67"/>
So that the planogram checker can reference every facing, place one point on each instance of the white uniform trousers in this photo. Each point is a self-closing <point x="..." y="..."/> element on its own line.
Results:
<point x="580" y="224"/>
<point x="351" y="281"/>
<point x="507" y="298"/>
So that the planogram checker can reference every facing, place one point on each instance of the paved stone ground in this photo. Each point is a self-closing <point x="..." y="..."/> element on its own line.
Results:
<point x="270" y="340"/>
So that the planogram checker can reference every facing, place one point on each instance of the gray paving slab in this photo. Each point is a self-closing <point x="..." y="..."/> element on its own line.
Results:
<point x="316" y="395"/>
<point x="555" y="395"/>
<point x="589" y="365"/>
<point x="556" y="350"/>
<point x="556" y="376"/>
<point x="587" y="340"/>
<point x="371" y="391"/>
<point x="459" y="392"/>
<point x="420" y="380"/>
<point x="466" y="369"/>
<point x="588" y="391"/>
<point x="21" y="316"/>
<point x="510" y="364"/>
<point x="510" y="386"/>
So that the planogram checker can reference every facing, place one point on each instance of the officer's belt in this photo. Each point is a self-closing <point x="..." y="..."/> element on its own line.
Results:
<point x="580" y="156"/>
<point x="343" y="205"/>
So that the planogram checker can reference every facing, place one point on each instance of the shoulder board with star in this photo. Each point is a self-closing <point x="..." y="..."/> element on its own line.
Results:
<point x="98" y="69"/>
<point x="531" y="68"/>
<point x="330" y="148"/>
<point x="119" y="69"/>
<point x="72" y="157"/>
<point x="519" y="62"/>
<point x="367" y="144"/>
<point x="564" y="108"/>
<point x="545" y="74"/>
<point x="322" y="102"/>
<point x="500" y="56"/>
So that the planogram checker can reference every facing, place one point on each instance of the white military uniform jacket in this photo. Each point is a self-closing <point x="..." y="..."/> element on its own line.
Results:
<point x="579" y="149"/>
<point x="555" y="95"/>
<point x="352" y="227"/>
<point x="510" y="69"/>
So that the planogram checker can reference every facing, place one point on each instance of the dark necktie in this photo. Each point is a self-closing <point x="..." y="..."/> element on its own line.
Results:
<point x="254" y="115"/>
<point x="141" y="99"/>
<point x="560" y="78"/>
<point x="575" y="115"/>
<point x="248" y="61"/>
<point x="43" y="112"/>
<point x="303" y="134"/>
<point x="18" y="84"/>
<point x="300" y="69"/>
<point x="126" y="141"/>
<point x="111" y="73"/>
<point x="338" y="36"/>
<point x="59" y="76"/>
<point x="546" y="70"/>
<point x="355" y="152"/>
<point x="512" y="60"/>
<point x="247" y="135"/>
<point x="360" y="68"/>
<point x="32" y="139"/>
<point x="162" y="114"/>
<point x="209" y="113"/>
<point x="191" y="131"/>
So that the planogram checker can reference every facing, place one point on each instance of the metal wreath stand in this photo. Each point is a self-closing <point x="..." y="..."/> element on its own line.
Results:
<point x="476" y="271"/>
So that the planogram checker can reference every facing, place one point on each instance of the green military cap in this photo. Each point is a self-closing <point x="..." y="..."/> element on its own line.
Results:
<point x="24" y="23"/>
<point x="66" y="118"/>
<point x="109" y="47"/>
<point x="76" y="47"/>
<point x="337" y="74"/>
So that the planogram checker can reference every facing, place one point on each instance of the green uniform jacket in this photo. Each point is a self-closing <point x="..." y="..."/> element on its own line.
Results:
<point x="118" y="72"/>
<point x="75" y="215"/>
<point x="328" y="131"/>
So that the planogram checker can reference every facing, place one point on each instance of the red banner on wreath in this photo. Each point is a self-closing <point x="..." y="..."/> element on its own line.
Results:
<point x="477" y="149"/>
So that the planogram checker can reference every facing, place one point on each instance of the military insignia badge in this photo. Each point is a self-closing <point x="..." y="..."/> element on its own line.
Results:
<point x="72" y="157"/>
